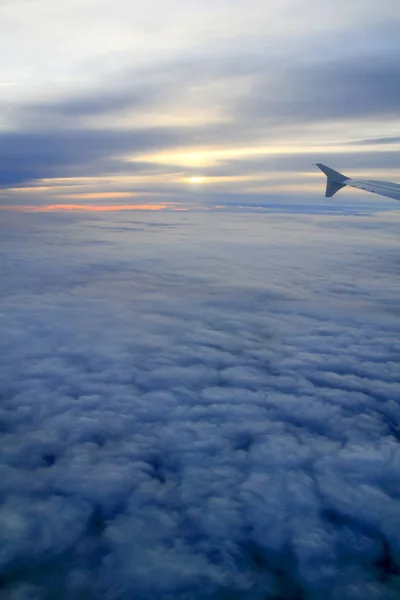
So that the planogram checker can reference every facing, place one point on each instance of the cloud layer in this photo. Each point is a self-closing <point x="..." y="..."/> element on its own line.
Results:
<point x="188" y="420"/>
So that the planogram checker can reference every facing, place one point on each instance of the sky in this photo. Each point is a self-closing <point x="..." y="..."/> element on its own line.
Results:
<point x="194" y="104"/>
<point x="199" y="421"/>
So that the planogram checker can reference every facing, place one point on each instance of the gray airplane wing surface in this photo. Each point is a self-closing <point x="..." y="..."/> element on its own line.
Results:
<point x="336" y="181"/>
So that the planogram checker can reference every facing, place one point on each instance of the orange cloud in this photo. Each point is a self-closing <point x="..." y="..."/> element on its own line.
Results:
<point x="88" y="207"/>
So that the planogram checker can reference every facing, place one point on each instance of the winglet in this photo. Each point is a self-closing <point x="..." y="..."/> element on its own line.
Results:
<point x="335" y="180"/>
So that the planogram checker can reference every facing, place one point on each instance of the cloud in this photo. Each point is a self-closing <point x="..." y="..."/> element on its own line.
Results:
<point x="32" y="155"/>
<point x="326" y="89"/>
<point x="240" y="99"/>
<point x="190" y="420"/>
<point x="377" y="141"/>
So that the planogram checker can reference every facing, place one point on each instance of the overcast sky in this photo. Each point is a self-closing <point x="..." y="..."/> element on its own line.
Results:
<point x="126" y="102"/>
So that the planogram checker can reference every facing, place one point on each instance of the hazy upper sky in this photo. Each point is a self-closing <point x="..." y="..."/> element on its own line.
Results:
<point x="184" y="103"/>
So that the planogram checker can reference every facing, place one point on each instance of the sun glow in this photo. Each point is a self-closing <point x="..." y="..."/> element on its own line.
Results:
<point x="203" y="157"/>
<point x="196" y="180"/>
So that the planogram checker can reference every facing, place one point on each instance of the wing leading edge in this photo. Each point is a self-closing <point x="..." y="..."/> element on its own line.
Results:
<point x="336" y="181"/>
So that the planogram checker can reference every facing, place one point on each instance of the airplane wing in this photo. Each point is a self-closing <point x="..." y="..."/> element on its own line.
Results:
<point x="336" y="181"/>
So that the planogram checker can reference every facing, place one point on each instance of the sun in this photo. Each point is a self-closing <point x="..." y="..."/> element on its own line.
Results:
<point x="198" y="179"/>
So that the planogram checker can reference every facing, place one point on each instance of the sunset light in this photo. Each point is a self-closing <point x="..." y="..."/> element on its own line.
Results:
<point x="90" y="207"/>
<point x="197" y="179"/>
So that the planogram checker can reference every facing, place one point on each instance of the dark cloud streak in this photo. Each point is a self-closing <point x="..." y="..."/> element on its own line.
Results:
<point x="26" y="156"/>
